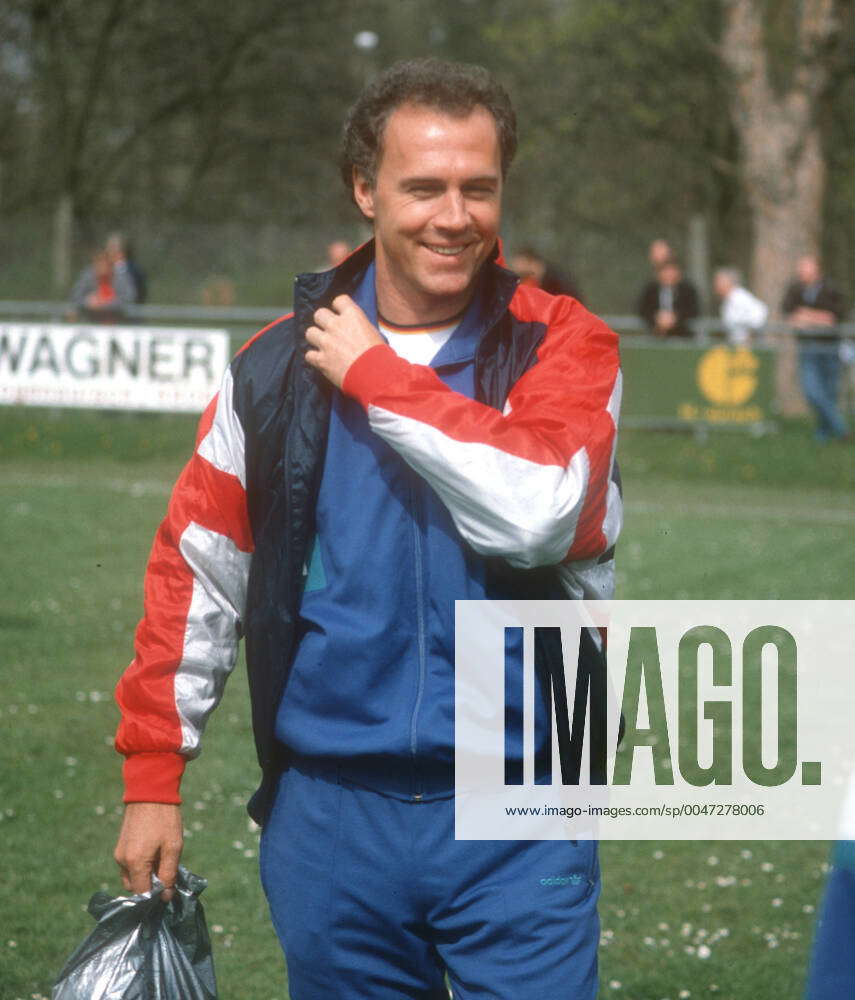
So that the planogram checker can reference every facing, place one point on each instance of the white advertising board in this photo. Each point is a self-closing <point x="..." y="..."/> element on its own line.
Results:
<point x="111" y="367"/>
<point x="708" y="720"/>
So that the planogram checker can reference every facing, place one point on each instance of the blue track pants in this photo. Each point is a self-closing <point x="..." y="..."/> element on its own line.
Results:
<point x="373" y="899"/>
<point x="832" y="970"/>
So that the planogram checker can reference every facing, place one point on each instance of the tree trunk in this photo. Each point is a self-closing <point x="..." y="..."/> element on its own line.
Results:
<point x="63" y="231"/>
<point x="787" y="223"/>
<point x="698" y="258"/>
<point x="785" y="228"/>
<point x="783" y="165"/>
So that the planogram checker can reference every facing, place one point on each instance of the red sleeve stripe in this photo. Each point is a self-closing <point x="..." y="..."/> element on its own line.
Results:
<point x="381" y="380"/>
<point x="213" y="499"/>
<point x="207" y="419"/>
<point x="532" y="305"/>
<point x="146" y="691"/>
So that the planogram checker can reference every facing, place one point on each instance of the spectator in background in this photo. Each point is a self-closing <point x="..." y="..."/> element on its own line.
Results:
<point x="668" y="303"/>
<point x="218" y="290"/>
<point x="126" y="270"/>
<point x="814" y="308"/>
<point x="742" y="314"/>
<point x="94" y="296"/>
<point x="533" y="269"/>
<point x="337" y="251"/>
<point x="660" y="253"/>
<point x="107" y="286"/>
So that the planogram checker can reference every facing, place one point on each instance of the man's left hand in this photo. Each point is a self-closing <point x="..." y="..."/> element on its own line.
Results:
<point x="339" y="336"/>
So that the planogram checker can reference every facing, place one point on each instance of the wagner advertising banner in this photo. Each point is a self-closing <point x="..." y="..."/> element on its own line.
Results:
<point x="111" y="367"/>
<point x="705" y="720"/>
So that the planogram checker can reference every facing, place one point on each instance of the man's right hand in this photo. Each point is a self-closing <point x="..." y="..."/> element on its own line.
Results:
<point x="150" y="840"/>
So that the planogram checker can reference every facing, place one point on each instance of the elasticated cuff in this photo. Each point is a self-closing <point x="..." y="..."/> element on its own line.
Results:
<point x="153" y="777"/>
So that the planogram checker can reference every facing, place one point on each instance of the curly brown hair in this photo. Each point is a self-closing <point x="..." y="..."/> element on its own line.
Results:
<point x="452" y="87"/>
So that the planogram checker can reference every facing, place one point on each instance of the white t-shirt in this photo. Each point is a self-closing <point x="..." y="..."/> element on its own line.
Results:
<point x="742" y="313"/>
<point x="418" y="345"/>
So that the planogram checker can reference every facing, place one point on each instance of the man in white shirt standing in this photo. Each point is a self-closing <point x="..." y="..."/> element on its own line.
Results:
<point x="742" y="313"/>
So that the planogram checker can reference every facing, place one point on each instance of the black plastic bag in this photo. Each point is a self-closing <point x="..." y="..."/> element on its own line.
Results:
<point x="143" y="948"/>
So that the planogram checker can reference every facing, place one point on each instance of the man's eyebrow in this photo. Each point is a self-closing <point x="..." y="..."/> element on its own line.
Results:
<point x="440" y="182"/>
<point x="420" y="181"/>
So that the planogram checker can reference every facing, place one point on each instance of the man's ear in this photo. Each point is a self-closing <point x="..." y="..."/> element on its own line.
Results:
<point x="363" y="193"/>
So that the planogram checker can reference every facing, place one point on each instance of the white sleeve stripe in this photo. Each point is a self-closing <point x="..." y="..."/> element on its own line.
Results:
<point x="502" y="504"/>
<point x="220" y="572"/>
<point x="591" y="580"/>
<point x="223" y="446"/>
<point x="613" y="405"/>
<point x="613" y="521"/>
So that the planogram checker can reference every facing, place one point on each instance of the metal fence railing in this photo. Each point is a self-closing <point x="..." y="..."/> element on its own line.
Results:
<point x="668" y="382"/>
<point x="706" y="327"/>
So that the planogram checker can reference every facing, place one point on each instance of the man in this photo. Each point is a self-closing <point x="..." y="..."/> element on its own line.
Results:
<point x="340" y="499"/>
<point x="668" y="303"/>
<point x="107" y="286"/>
<point x="337" y="252"/>
<point x="659" y="252"/>
<point x="814" y="308"/>
<point x="742" y="314"/>
<point x="535" y="270"/>
<point x="125" y="266"/>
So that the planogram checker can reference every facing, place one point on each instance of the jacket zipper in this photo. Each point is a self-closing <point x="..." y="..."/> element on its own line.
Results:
<point x="418" y="563"/>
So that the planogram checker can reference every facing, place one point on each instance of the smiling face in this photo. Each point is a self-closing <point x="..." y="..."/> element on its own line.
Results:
<point x="435" y="206"/>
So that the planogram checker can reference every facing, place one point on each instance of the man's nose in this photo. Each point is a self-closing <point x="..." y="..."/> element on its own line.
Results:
<point x="452" y="213"/>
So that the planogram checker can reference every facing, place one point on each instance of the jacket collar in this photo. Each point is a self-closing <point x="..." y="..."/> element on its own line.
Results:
<point x="354" y="277"/>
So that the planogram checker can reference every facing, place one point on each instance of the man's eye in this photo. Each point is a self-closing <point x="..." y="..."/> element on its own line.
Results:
<point x="479" y="192"/>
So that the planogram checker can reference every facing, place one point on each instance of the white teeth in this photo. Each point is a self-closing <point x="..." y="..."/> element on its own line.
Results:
<point x="448" y="251"/>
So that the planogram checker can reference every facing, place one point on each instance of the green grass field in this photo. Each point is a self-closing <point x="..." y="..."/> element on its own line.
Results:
<point x="81" y="495"/>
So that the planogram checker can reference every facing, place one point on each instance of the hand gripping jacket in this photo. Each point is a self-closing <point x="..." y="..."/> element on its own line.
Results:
<point x="526" y="470"/>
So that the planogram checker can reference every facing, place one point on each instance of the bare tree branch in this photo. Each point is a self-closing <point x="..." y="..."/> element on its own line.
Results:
<point x="190" y="98"/>
<point x="94" y="84"/>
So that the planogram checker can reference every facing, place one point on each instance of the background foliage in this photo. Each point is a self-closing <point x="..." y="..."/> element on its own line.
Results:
<point x="209" y="130"/>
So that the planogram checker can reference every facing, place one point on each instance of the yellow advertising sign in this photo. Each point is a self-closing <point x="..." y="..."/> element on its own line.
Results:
<point x="673" y="384"/>
<point x="727" y="380"/>
<point x="728" y="376"/>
